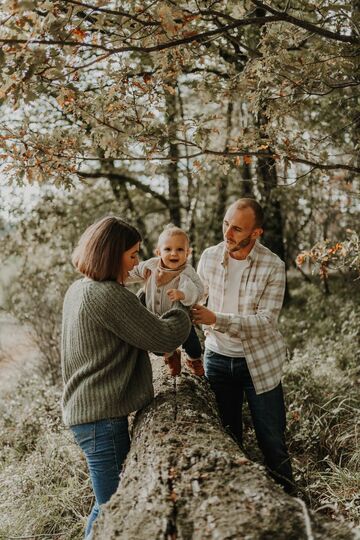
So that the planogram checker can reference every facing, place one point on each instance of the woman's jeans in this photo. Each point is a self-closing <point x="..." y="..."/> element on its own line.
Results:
<point x="230" y="379"/>
<point x="105" y="444"/>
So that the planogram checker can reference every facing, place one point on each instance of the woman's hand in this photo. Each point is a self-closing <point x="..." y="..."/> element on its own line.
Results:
<point x="202" y="315"/>
<point x="175" y="294"/>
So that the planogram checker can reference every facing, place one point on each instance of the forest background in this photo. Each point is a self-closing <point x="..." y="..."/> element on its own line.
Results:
<point x="167" y="112"/>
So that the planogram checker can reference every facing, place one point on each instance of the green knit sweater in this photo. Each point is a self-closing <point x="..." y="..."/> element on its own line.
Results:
<point x="106" y="333"/>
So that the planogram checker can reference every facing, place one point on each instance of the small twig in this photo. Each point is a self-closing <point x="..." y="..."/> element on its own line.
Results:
<point x="33" y="536"/>
<point x="306" y="519"/>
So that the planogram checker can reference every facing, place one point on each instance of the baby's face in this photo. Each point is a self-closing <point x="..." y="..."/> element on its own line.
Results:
<point x="173" y="251"/>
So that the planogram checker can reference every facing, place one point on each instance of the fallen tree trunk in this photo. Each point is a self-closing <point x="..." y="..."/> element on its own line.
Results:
<point x="186" y="479"/>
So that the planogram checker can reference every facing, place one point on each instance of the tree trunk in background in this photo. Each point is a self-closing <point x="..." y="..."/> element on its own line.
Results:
<point x="273" y="223"/>
<point x="222" y="185"/>
<point x="273" y="236"/>
<point x="120" y="190"/>
<point x="186" y="479"/>
<point x="246" y="189"/>
<point x="172" y="167"/>
<point x="273" y="229"/>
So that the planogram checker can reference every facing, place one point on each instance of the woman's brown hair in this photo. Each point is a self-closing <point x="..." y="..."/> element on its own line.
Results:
<point x="98" y="254"/>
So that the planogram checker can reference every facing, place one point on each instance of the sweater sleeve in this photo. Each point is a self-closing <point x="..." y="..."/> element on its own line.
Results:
<point x="120" y="311"/>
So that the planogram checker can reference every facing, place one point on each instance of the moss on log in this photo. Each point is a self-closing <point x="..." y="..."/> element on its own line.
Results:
<point x="186" y="479"/>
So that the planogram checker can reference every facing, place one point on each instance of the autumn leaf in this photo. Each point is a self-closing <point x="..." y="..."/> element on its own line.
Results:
<point x="66" y="97"/>
<point x="242" y="461"/>
<point x="247" y="160"/>
<point x="147" y="78"/>
<point x="79" y="34"/>
<point x="190" y="33"/>
<point x="140" y="86"/>
<point x="300" y="259"/>
<point x="166" y="19"/>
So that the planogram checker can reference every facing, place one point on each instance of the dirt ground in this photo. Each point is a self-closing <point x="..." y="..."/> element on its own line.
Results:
<point x="18" y="353"/>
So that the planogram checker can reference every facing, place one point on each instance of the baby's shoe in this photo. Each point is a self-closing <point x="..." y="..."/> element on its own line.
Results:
<point x="173" y="361"/>
<point x="195" y="366"/>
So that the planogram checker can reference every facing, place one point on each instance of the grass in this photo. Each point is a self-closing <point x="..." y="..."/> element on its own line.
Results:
<point x="321" y="385"/>
<point x="44" y="486"/>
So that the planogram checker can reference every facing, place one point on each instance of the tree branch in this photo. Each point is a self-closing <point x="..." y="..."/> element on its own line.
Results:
<point x="160" y="47"/>
<point x="12" y="41"/>
<point x="118" y="12"/>
<point x="225" y="154"/>
<point x="123" y="178"/>
<point x="307" y="25"/>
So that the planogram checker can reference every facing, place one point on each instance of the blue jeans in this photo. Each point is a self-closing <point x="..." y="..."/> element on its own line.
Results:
<point x="230" y="379"/>
<point x="105" y="444"/>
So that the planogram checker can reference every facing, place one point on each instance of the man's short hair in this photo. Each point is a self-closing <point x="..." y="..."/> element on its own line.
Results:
<point x="99" y="252"/>
<point x="247" y="202"/>
<point x="172" y="230"/>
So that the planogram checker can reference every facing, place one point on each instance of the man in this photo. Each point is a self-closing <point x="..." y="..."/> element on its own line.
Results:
<point x="244" y="350"/>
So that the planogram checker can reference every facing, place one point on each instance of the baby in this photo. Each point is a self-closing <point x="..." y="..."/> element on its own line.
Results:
<point x="169" y="277"/>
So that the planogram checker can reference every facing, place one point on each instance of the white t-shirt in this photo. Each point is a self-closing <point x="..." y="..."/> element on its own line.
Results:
<point x="218" y="341"/>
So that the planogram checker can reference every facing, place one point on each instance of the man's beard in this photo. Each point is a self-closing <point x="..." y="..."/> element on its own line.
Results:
<point x="243" y="244"/>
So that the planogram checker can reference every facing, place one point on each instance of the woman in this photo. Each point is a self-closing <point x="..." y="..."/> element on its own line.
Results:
<point x="106" y="333"/>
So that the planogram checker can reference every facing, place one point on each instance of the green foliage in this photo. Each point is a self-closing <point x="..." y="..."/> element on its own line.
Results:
<point x="321" y="384"/>
<point x="44" y="486"/>
<point x="39" y="245"/>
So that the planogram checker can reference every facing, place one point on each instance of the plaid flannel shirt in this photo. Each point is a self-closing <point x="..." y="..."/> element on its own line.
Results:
<point x="260" y="300"/>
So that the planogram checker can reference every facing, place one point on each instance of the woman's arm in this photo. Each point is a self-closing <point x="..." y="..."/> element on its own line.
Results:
<point x="120" y="311"/>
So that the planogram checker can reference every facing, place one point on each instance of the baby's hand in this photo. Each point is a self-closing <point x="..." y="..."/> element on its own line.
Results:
<point x="174" y="295"/>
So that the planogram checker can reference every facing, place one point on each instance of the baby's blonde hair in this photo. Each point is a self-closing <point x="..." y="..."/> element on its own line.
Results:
<point x="172" y="230"/>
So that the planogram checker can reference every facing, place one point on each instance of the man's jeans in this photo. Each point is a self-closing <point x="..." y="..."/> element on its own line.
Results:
<point x="105" y="444"/>
<point x="229" y="379"/>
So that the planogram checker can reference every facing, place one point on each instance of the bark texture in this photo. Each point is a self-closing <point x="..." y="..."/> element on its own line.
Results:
<point x="186" y="479"/>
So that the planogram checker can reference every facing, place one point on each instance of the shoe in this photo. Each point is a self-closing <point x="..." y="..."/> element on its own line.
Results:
<point x="195" y="366"/>
<point x="173" y="362"/>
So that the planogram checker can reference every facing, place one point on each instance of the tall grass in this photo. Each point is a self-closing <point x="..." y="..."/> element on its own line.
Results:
<point x="322" y="391"/>
<point x="44" y="487"/>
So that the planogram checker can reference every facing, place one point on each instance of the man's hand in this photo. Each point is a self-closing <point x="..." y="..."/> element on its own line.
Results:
<point x="202" y="315"/>
<point x="175" y="294"/>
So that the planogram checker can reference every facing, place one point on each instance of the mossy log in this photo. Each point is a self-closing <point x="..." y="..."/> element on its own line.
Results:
<point x="186" y="479"/>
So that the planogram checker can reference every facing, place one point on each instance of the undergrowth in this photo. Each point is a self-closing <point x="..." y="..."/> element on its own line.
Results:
<point x="322" y="394"/>
<point x="44" y="486"/>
